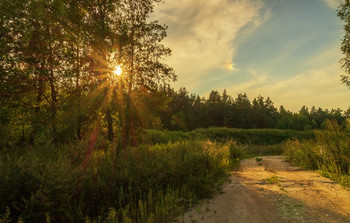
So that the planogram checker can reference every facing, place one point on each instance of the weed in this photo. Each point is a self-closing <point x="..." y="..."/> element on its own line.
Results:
<point x="272" y="180"/>
<point x="198" y="210"/>
<point x="5" y="218"/>
<point x="275" y="180"/>
<point x="152" y="183"/>
<point x="258" y="159"/>
<point x="329" y="153"/>
<point x="243" y="136"/>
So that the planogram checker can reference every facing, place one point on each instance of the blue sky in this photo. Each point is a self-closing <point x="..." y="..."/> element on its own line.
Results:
<point x="287" y="50"/>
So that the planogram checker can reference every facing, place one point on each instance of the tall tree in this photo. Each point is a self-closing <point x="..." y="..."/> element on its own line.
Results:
<point x="344" y="14"/>
<point x="142" y="53"/>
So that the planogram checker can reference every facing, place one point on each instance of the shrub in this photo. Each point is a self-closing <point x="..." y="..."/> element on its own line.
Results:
<point x="329" y="152"/>
<point x="143" y="184"/>
<point x="243" y="136"/>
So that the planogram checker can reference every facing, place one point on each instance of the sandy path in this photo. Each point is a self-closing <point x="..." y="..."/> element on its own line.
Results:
<point x="292" y="195"/>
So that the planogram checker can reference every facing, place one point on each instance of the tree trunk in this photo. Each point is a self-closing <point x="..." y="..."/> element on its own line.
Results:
<point x="110" y="124"/>
<point x="128" y="121"/>
<point x="53" y="89"/>
<point x="40" y="88"/>
<point x="78" y="90"/>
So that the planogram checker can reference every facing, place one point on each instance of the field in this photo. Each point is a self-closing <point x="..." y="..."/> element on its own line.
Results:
<point x="153" y="182"/>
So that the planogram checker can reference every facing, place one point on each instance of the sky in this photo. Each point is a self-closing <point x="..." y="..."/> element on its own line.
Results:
<point x="288" y="50"/>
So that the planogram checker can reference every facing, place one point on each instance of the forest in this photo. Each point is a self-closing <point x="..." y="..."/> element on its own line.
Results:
<point x="58" y="79"/>
<point x="85" y="96"/>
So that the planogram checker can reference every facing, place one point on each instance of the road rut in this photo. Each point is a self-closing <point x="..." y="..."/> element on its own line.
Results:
<point x="272" y="190"/>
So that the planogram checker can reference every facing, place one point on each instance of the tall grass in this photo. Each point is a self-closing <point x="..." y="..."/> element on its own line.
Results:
<point x="153" y="182"/>
<point x="143" y="184"/>
<point x="329" y="153"/>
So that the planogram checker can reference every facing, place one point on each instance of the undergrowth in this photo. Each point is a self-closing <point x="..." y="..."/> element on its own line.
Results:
<point x="243" y="136"/>
<point x="329" y="153"/>
<point x="153" y="182"/>
<point x="86" y="183"/>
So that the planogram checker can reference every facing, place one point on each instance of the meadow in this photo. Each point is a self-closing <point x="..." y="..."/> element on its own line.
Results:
<point x="156" y="181"/>
<point x="75" y="183"/>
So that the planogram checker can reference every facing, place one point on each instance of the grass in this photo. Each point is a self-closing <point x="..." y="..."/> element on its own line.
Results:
<point x="273" y="180"/>
<point x="153" y="182"/>
<point x="149" y="183"/>
<point x="329" y="153"/>
<point x="256" y="137"/>
<point x="258" y="159"/>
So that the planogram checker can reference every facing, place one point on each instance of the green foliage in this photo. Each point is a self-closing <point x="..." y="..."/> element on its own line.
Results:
<point x="258" y="159"/>
<point x="57" y="61"/>
<point x="329" y="153"/>
<point x="184" y="111"/>
<point x="152" y="136"/>
<point x="243" y="136"/>
<point x="142" y="184"/>
<point x="5" y="218"/>
<point x="344" y="15"/>
<point x="273" y="180"/>
<point x="263" y="150"/>
<point x="254" y="136"/>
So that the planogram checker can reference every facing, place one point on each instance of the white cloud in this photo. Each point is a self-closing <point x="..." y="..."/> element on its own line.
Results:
<point x="202" y="32"/>
<point x="255" y="81"/>
<point x="202" y="35"/>
<point x="319" y="88"/>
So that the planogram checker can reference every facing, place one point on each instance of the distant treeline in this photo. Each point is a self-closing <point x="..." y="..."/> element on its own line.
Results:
<point x="180" y="110"/>
<point x="167" y="109"/>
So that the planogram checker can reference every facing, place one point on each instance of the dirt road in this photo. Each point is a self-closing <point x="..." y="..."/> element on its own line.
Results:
<point x="272" y="190"/>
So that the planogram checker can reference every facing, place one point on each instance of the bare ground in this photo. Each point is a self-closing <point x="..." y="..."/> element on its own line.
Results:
<point x="274" y="191"/>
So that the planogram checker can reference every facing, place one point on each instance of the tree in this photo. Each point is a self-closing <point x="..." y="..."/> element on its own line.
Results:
<point x="265" y="114"/>
<point x="141" y="53"/>
<point x="344" y="14"/>
<point x="55" y="66"/>
<point x="215" y="109"/>
<point x="242" y="112"/>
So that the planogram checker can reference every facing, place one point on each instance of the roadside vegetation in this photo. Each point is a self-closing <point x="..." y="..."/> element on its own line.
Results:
<point x="155" y="181"/>
<point x="93" y="181"/>
<point x="223" y="134"/>
<point x="329" y="153"/>
<point x="151" y="183"/>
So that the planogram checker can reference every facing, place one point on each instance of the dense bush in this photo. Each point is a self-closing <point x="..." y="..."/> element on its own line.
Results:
<point x="243" y="136"/>
<point x="82" y="183"/>
<point x="329" y="153"/>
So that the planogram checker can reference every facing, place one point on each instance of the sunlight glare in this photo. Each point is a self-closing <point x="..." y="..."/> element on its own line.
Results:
<point x="118" y="70"/>
<point x="230" y="66"/>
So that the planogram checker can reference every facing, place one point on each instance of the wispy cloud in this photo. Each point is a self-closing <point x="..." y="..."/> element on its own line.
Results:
<point x="201" y="34"/>
<point x="256" y="80"/>
<point x="320" y="88"/>
<point x="246" y="46"/>
<point x="333" y="3"/>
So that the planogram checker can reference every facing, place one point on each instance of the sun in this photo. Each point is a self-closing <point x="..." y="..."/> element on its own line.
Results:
<point x="118" y="70"/>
